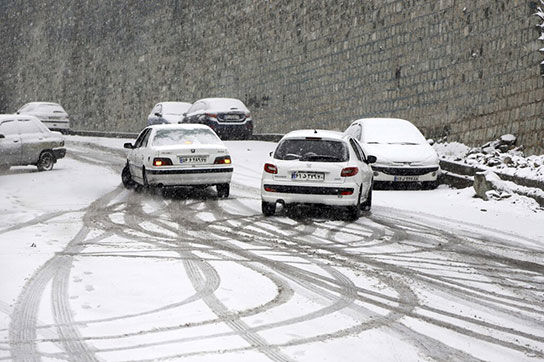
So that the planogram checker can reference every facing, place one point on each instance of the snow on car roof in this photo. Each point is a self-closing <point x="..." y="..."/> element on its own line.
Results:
<point x="389" y="130"/>
<point x="175" y="107"/>
<point x="225" y="104"/>
<point x="325" y="134"/>
<point x="179" y="126"/>
<point x="16" y="116"/>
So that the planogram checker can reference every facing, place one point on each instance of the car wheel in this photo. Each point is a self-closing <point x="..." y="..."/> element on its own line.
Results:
<point x="223" y="191"/>
<point x="365" y="206"/>
<point x="126" y="177"/>
<point x="355" y="210"/>
<point x="46" y="161"/>
<point x="268" y="208"/>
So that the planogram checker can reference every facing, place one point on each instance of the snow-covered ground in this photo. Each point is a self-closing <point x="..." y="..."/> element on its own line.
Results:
<point x="92" y="271"/>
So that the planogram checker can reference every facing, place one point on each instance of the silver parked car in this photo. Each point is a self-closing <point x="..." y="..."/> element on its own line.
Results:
<point x="24" y="140"/>
<point x="51" y="114"/>
<point x="167" y="112"/>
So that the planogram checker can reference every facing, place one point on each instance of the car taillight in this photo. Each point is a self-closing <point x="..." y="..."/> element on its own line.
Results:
<point x="346" y="192"/>
<point x="270" y="168"/>
<point x="349" y="171"/>
<point x="211" y="115"/>
<point x="222" y="160"/>
<point x="162" y="162"/>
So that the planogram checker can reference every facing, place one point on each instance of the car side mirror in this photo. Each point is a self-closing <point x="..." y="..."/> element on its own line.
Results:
<point x="270" y="154"/>
<point x="371" y="159"/>
<point x="158" y="114"/>
<point x="430" y="141"/>
<point x="2" y="136"/>
<point x="128" y="145"/>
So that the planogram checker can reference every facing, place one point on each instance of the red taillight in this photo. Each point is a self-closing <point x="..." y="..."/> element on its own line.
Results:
<point x="349" y="171"/>
<point x="162" y="162"/>
<point x="269" y="189"/>
<point x="270" y="168"/>
<point x="346" y="193"/>
<point x="222" y="160"/>
<point x="211" y="115"/>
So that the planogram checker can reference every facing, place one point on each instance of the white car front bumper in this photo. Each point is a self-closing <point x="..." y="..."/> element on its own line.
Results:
<point x="405" y="174"/>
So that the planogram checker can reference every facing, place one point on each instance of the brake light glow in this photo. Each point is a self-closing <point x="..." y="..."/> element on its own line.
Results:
<point x="222" y="160"/>
<point x="162" y="162"/>
<point x="270" y="168"/>
<point x="349" y="172"/>
<point x="346" y="193"/>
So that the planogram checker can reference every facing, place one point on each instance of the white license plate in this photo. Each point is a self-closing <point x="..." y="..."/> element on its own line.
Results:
<point x="232" y="117"/>
<point x="308" y="176"/>
<point x="406" y="178"/>
<point x="193" y="159"/>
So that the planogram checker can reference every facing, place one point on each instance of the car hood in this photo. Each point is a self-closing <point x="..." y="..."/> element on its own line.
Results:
<point x="391" y="154"/>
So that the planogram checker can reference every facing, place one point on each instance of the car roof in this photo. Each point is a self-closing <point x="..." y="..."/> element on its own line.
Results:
<point x="382" y="120"/>
<point x="4" y="117"/>
<point x="43" y="103"/>
<point x="174" y="102"/>
<point x="179" y="126"/>
<point x="214" y="103"/>
<point x="323" y="134"/>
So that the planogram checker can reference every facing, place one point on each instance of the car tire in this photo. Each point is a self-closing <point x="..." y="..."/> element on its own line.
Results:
<point x="365" y="206"/>
<point x="223" y="191"/>
<point x="268" y="208"/>
<point x="126" y="178"/>
<point x="46" y="161"/>
<point x="354" y="211"/>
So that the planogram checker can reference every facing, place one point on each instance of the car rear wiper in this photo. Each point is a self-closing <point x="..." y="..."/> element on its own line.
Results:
<point x="291" y="156"/>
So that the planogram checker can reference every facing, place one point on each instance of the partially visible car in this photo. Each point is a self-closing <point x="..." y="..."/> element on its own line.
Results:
<point x="228" y="117"/>
<point x="173" y="155"/>
<point x="51" y="114"/>
<point x="318" y="167"/>
<point x="24" y="140"/>
<point x="167" y="112"/>
<point x="403" y="154"/>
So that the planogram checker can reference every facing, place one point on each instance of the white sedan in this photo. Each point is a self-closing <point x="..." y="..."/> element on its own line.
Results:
<point x="171" y="155"/>
<point x="404" y="156"/>
<point x="318" y="167"/>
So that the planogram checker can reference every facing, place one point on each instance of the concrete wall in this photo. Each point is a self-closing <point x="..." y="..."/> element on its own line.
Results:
<point x="464" y="68"/>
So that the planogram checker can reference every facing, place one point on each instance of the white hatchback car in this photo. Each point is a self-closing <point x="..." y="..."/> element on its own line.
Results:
<point x="51" y="114"/>
<point x="404" y="155"/>
<point x="178" y="155"/>
<point x="318" y="167"/>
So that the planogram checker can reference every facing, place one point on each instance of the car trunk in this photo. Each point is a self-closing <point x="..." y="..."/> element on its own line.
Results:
<point x="190" y="156"/>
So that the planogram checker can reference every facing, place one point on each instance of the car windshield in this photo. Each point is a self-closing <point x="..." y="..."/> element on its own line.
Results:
<point x="168" y="137"/>
<point x="312" y="150"/>
<point x="391" y="132"/>
<point x="175" y="108"/>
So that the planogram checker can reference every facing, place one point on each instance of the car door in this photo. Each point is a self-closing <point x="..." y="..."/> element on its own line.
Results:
<point x="10" y="143"/>
<point x="137" y="154"/>
<point x="32" y="140"/>
<point x="368" y="173"/>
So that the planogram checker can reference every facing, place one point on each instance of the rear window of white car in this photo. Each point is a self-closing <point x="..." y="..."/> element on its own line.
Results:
<point x="169" y="137"/>
<point x="317" y="150"/>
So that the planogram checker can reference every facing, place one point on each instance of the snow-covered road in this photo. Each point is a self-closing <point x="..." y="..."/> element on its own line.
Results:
<point x="91" y="271"/>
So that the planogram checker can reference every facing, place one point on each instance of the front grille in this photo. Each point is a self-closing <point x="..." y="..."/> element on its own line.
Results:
<point x="405" y="171"/>
<point x="312" y="190"/>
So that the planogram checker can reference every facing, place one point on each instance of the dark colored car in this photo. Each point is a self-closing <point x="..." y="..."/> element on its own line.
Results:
<point x="228" y="117"/>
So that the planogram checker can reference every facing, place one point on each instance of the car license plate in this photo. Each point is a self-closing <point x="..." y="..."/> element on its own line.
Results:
<point x="193" y="159"/>
<point x="308" y="176"/>
<point x="406" y="178"/>
<point x="232" y="117"/>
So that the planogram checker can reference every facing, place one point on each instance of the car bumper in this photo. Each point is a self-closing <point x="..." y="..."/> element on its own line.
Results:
<point x="405" y="174"/>
<point x="59" y="153"/>
<point x="309" y="193"/>
<point x="232" y="129"/>
<point x="57" y="125"/>
<point x="189" y="177"/>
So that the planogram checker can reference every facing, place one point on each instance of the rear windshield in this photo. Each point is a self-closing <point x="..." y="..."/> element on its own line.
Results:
<point x="168" y="137"/>
<point x="312" y="150"/>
